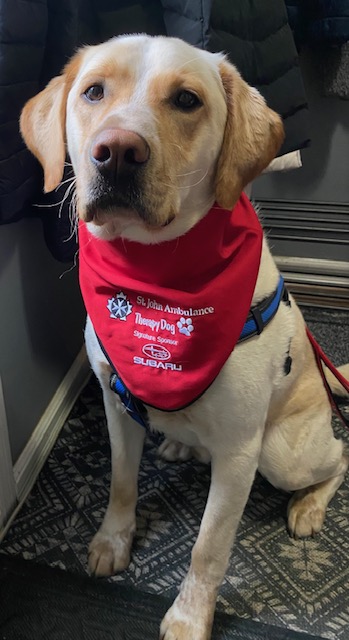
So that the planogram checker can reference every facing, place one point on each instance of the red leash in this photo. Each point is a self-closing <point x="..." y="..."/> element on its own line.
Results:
<point x="321" y="358"/>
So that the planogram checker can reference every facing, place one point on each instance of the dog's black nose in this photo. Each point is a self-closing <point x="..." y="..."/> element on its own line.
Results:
<point x="118" y="151"/>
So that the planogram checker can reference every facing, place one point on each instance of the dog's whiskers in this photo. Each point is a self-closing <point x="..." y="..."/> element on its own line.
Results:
<point x="70" y="188"/>
<point x="194" y="184"/>
<point x="174" y="144"/>
<point x="188" y="173"/>
<point x="72" y="267"/>
<point x="183" y="175"/>
<point x="187" y="62"/>
<point x="73" y="178"/>
<point x="56" y="204"/>
<point x="73" y="219"/>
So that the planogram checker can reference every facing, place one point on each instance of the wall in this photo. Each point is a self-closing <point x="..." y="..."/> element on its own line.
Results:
<point x="41" y="326"/>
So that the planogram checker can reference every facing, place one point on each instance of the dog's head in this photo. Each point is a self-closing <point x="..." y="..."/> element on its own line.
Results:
<point x="156" y="131"/>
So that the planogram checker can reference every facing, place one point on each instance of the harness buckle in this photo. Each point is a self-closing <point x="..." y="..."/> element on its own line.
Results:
<point x="257" y="317"/>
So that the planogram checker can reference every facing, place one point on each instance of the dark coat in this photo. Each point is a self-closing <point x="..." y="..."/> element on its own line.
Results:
<point x="38" y="36"/>
<point x="319" y="21"/>
<point x="258" y="40"/>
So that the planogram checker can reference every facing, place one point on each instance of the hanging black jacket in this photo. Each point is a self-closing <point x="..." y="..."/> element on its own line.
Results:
<point x="38" y="36"/>
<point x="319" y="21"/>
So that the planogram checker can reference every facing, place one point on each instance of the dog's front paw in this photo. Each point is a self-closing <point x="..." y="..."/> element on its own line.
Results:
<point x="109" y="554"/>
<point x="191" y="615"/>
<point x="176" y="625"/>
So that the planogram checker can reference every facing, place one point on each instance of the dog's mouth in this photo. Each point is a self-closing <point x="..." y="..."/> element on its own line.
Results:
<point x="122" y="197"/>
<point x="124" y="201"/>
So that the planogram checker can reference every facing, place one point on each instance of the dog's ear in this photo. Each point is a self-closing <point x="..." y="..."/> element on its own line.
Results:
<point x="42" y="124"/>
<point x="252" y="137"/>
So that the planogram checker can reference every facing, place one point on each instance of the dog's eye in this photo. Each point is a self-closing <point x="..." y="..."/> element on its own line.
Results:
<point x="187" y="100"/>
<point x="94" y="93"/>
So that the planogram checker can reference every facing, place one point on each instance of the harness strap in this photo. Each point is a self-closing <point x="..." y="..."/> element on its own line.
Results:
<point x="134" y="407"/>
<point x="321" y="359"/>
<point x="260" y="315"/>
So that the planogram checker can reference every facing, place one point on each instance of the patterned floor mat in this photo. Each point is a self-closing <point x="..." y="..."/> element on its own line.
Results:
<point x="302" y="585"/>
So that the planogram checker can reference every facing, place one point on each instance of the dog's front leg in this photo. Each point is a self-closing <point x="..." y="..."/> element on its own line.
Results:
<point x="109" y="550"/>
<point x="191" y="615"/>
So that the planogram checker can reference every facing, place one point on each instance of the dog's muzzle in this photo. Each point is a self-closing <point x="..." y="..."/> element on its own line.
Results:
<point x="119" y="157"/>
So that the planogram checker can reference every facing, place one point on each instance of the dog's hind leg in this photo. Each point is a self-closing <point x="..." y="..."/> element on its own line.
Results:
<point x="301" y="454"/>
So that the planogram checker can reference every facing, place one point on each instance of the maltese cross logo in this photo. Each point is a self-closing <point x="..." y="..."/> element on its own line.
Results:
<point x="119" y="306"/>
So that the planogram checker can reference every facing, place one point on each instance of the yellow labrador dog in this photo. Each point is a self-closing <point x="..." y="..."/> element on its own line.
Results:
<point x="192" y="133"/>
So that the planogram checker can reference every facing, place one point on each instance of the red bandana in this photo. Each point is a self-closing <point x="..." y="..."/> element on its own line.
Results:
<point x="169" y="315"/>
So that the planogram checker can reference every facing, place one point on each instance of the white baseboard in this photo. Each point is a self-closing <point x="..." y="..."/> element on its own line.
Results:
<point x="31" y="460"/>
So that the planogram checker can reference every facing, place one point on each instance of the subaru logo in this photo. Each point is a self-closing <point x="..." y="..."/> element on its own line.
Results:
<point x="156" y="352"/>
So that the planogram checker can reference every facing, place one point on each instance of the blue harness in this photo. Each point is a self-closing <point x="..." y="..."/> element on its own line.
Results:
<point x="257" y="319"/>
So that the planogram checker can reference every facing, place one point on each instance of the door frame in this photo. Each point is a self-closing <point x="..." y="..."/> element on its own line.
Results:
<point x="8" y="494"/>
